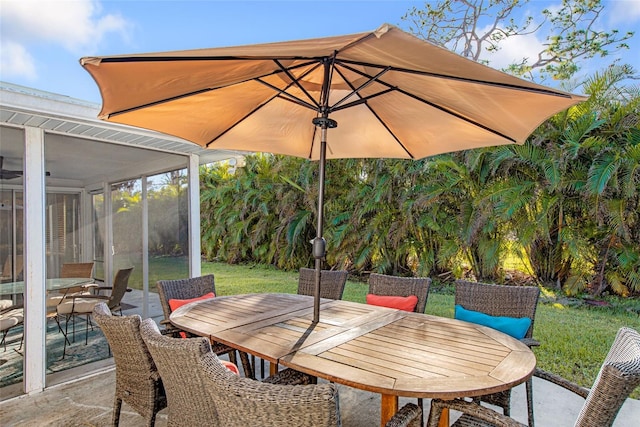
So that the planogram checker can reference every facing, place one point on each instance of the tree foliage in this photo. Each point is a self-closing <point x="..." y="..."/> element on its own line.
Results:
<point x="569" y="197"/>
<point x="474" y="28"/>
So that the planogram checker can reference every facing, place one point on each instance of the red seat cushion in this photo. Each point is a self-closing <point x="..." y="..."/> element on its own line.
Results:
<point x="401" y="303"/>
<point x="230" y="366"/>
<point x="177" y="303"/>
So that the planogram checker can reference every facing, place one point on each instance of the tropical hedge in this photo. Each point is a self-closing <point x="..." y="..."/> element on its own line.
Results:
<point x="565" y="205"/>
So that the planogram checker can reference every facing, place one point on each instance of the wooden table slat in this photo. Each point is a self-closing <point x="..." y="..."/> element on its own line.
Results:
<point x="367" y="323"/>
<point x="337" y="372"/>
<point x="430" y="361"/>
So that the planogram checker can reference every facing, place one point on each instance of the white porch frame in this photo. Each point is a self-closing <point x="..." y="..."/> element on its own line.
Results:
<point x="40" y="115"/>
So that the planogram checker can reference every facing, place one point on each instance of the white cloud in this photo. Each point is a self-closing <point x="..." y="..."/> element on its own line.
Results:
<point x="515" y="49"/>
<point x="16" y="61"/>
<point x="77" y="26"/>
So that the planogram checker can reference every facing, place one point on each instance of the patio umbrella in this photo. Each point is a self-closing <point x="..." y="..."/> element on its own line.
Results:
<point x="383" y="94"/>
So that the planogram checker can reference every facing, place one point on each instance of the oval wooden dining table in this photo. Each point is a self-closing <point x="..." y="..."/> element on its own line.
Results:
<point x="377" y="349"/>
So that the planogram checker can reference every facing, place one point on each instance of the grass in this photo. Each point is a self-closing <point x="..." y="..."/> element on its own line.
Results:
<point x="574" y="338"/>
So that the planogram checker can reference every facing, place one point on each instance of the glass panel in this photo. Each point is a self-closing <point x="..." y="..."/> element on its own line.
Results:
<point x="126" y="211"/>
<point x="6" y="237"/>
<point x="63" y="244"/>
<point x="168" y="226"/>
<point x="97" y="205"/>
<point x="11" y="261"/>
<point x="71" y="340"/>
<point x="18" y="235"/>
<point x="11" y="256"/>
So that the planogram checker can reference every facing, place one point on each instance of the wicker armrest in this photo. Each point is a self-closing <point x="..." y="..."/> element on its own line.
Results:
<point x="410" y="415"/>
<point x="562" y="382"/>
<point x="470" y="408"/>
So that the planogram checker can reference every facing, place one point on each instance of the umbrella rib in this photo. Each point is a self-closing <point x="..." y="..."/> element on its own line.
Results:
<point x="158" y="102"/>
<point x="279" y="93"/>
<point x="364" y="101"/>
<point x="542" y="91"/>
<point x="282" y="93"/>
<point x="209" y="89"/>
<point x="434" y="105"/>
<point x="356" y="91"/>
<point x="240" y="121"/>
<point x="296" y="81"/>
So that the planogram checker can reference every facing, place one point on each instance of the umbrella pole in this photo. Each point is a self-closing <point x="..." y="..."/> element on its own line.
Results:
<point x="324" y="123"/>
<point x="319" y="244"/>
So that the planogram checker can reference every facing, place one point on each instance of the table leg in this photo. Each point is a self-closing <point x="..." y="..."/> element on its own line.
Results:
<point x="388" y="408"/>
<point x="444" y="418"/>
<point x="273" y="368"/>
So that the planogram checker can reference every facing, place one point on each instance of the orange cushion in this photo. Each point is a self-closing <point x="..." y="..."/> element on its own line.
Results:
<point x="177" y="303"/>
<point x="401" y="303"/>
<point x="230" y="366"/>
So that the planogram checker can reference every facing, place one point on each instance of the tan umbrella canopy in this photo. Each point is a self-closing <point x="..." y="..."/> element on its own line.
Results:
<point x="383" y="94"/>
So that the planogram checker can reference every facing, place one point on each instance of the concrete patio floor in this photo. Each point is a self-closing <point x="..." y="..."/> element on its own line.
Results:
<point x="89" y="402"/>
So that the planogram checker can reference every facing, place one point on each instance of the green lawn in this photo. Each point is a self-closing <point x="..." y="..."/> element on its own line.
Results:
<point x="574" y="339"/>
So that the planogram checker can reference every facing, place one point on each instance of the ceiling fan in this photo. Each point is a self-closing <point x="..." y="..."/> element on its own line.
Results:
<point x="11" y="174"/>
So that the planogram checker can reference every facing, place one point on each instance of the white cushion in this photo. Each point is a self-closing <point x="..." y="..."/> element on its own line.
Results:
<point x="5" y="303"/>
<point x="11" y="319"/>
<point x="82" y="305"/>
<point x="53" y="301"/>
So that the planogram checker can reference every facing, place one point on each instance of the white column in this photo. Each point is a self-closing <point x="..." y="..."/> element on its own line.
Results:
<point x="145" y="249"/>
<point x="35" y="356"/>
<point x="194" y="216"/>
<point x="108" y="236"/>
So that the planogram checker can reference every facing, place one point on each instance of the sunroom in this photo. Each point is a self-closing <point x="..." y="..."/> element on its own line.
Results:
<point x="74" y="189"/>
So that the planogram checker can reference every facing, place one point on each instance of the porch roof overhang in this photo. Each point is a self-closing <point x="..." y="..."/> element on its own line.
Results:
<point x="72" y="130"/>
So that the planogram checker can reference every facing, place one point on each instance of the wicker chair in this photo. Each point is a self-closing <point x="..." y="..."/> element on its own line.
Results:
<point x="501" y="300"/>
<point x="201" y="391"/>
<point x="331" y="282"/>
<point x="193" y="288"/>
<point x="137" y="380"/>
<point x="618" y="377"/>
<point x="381" y="284"/>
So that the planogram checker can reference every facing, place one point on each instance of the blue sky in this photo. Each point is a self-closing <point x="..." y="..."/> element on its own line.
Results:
<point x="42" y="40"/>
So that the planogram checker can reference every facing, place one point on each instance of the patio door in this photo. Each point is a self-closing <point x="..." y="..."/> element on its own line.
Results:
<point x="98" y="236"/>
<point x="149" y="225"/>
<point x="127" y="229"/>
